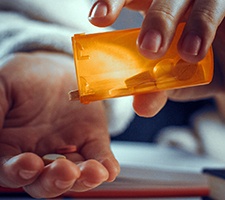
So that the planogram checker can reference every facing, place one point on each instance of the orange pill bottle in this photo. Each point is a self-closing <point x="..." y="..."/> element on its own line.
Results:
<point x="109" y="65"/>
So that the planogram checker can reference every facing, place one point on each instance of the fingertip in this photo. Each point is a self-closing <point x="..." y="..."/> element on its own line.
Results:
<point x="150" y="44"/>
<point x="148" y="105"/>
<point x="65" y="168"/>
<point x="113" y="167"/>
<point x="93" y="173"/>
<point x="25" y="161"/>
<point x="192" y="47"/>
<point x="155" y="39"/>
<point x="88" y="167"/>
<point x="99" y="10"/>
<point x="55" y="179"/>
<point x="22" y="169"/>
<point x="104" y="13"/>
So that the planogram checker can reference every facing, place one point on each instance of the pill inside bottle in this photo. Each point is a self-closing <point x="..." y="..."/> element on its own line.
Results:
<point x="109" y="65"/>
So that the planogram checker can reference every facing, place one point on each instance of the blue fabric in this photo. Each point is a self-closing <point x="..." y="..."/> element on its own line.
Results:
<point x="173" y="114"/>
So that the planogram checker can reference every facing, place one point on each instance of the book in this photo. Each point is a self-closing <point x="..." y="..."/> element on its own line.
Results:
<point x="142" y="183"/>
<point x="216" y="181"/>
<point x="138" y="182"/>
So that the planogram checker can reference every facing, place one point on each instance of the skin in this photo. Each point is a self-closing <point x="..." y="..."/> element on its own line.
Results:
<point x="205" y="26"/>
<point x="35" y="108"/>
<point x="36" y="118"/>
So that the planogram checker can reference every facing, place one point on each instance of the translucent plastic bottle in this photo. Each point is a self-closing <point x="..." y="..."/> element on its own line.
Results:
<point x="109" y="65"/>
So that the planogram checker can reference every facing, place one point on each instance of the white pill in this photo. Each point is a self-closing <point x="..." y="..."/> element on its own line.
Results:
<point x="49" y="158"/>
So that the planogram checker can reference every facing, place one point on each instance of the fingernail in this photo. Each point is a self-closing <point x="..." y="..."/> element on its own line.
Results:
<point x="191" y="44"/>
<point x="152" y="41"/>
<point x="99" y="10"/>
<point x="63" y="184"/>
<point x="90" y="185"/>
<point x="27" y="174"/>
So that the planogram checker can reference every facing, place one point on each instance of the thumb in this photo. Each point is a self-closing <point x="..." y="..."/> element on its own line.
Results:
<point x="105" y="12"/>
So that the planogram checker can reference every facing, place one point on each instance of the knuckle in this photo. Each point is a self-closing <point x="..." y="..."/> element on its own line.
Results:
<point x="163" y="11"/>
<point x="204" y="15"/>
<point x="209" y="12"/>
<point x="165" y="14"/>
<point x="204" y="23"/>
<point x="159" y="18"/>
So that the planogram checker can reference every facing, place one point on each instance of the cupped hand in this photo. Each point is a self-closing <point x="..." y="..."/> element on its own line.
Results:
<point x="204" y="25"/>
<point x="36" y="118"/>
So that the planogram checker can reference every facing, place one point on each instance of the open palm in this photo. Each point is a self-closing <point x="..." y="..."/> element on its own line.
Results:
<point x="36" y="118"/>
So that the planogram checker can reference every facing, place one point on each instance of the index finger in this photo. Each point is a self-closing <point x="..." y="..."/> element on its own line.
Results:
<point x="201" y="28"/>
<point x="159" y="26"/>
